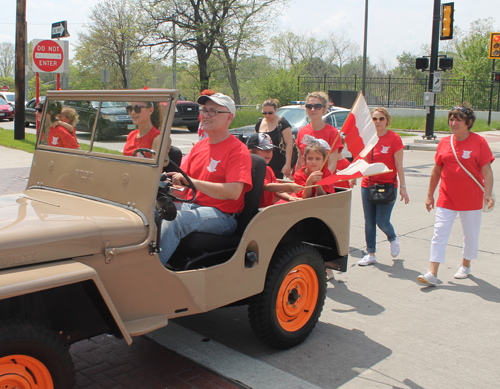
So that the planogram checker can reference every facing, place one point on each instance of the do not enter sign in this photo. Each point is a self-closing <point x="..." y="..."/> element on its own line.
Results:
<point x="50" y="56"/>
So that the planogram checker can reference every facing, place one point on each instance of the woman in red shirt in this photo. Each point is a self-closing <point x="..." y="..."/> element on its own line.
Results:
<point x="389" y="151"/>
<point x="146" y="135"/>
<point x="317" y="106"/>
<point x="475" y="155"/>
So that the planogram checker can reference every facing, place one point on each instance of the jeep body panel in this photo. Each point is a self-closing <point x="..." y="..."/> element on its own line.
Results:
<point x="22" y="281"/>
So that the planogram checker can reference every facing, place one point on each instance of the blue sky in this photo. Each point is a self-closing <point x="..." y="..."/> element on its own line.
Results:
<point x="393" y="25"/>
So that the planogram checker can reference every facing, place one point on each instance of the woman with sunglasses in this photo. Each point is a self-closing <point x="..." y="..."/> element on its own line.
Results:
<point x="459" y="193"/>
<point x="389" y="151"/>
<point x="146" y="135"/>
<point x="316" y="107"/>
<point x="280" y="131"/>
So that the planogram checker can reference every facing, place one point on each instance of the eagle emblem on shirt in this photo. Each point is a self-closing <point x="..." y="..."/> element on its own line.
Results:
<point x="55" y="140"/>
<point x="385" y="149"/>
<point x="212" y="167"/>
<point x="466" y="154"/>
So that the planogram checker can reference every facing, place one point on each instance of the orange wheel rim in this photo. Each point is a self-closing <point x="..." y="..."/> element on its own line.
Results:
<point x="24" y="372"/>
<point x="297" y="298"/>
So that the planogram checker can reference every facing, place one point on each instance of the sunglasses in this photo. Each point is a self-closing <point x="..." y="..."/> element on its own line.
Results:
<point x="267" y="113"/>
<point x="380" y="119"/>
<point x="315" y="106"/>
<point x="135" y="108"/>
<point x="461" y="109"/>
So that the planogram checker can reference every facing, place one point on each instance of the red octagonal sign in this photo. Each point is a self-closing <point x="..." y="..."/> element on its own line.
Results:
<point x="48" y="56"/>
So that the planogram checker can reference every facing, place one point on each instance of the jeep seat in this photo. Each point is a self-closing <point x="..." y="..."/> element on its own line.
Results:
<point x="200" y="243"/>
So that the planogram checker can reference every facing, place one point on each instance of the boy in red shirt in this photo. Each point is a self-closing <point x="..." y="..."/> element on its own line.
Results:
<point x="262" y="145"/>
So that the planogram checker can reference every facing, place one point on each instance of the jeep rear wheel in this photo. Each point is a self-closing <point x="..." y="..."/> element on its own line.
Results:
<point x="31" y="356"/>
<point x="287" y="310"/>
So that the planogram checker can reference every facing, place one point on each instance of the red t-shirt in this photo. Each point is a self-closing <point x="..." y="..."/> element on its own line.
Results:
<point x="301" y="177"/>
<point x="328" y="133"/>
<point x="341" y="165"/>
<point x="224" y="162"/>
<point x="383" y="152"/>
<point x="267" y="197"/>
<point x="59" y="137"/>
<point x="457" y="190"/>
<point x="144" y="142"/>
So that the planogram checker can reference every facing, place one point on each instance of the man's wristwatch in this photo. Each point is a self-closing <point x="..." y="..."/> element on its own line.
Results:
<point x="402" y="186"/>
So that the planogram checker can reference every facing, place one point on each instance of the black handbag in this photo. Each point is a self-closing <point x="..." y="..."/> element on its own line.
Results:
<point x="381" y="193"/>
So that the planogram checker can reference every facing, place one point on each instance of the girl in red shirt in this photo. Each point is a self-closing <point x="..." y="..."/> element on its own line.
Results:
<point x="311" y="172"/>
<point x="146" y="135"/>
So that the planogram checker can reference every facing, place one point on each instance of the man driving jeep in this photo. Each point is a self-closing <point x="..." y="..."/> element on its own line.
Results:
<point x="220" y="168"/>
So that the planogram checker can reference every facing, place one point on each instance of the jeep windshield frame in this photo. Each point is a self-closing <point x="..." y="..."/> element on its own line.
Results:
<point x="96" y="171"/>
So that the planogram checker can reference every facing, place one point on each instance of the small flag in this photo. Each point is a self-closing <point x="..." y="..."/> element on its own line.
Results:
<point x="360" y="132"/>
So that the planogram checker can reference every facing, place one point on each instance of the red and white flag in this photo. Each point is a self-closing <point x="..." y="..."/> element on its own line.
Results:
<point x="360" y="132"/>
<point x="357" y="169"/>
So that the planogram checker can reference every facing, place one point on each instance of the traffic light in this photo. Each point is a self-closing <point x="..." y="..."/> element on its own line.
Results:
<point x="447" y="21"/>
<point x="422" y="63"/>
<point x="494" y="52"/>
<point x="496" y="77"/>
<point x="446" y="63"/>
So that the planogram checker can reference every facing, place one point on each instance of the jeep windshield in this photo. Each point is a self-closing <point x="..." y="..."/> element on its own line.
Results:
<point x="71" y="157"/>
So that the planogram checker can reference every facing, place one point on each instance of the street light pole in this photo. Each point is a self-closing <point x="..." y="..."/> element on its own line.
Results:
<point x="429" y="123"/>
<point x="363" y="83"/>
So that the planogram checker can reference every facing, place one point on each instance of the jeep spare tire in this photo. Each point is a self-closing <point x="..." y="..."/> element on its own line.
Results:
<point x="287" y="310"/>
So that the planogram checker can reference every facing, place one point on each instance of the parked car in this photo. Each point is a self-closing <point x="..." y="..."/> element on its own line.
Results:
<point x="6" y="110"/>
<point x="30" y="112"/>
<point x="187" y="114"/>
<point x="297" y="117"/>
<point x="9" y="97"/>
<point x="114" y="119"/>
<point x="79" y="254"/>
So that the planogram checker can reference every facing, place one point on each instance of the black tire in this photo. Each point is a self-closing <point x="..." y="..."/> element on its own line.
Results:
<point x="27" y="124"/>
<point x="274" y="323"/>
<point x="21" y="338"/>
<point x="11" y="119"/>
<point x="193" y="128"/>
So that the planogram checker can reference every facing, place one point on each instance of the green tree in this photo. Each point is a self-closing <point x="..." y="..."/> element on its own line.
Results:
<point x="117" y="27"/>
<point x="7" y="59"/>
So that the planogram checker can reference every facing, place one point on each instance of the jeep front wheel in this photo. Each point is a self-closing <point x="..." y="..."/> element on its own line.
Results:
<point x="288" y="308"/>
<point x="31" y="356"/>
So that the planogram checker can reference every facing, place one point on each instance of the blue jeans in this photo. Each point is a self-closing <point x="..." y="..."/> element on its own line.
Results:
<point x="376" y="215"/>
<point x="193" y="217"/>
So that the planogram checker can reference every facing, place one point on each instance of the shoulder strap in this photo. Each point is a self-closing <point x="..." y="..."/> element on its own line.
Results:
<point x="462" y="166"/>
<point x="257" y="125"/>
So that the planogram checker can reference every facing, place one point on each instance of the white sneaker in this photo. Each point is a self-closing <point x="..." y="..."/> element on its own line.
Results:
<point x="367" y="260"/>
<point x="463" y="272"/>
<point x="329" y="274"/>
<point x="428" y="279"/>
<point x="394" y="246"/>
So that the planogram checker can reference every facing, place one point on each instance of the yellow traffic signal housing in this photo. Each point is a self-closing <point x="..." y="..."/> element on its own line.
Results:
<point x="494" y="52"/>
<point x="447" y="21"/>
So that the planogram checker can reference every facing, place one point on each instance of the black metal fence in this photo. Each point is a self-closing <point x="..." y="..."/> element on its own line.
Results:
<point x="396" y="92"/>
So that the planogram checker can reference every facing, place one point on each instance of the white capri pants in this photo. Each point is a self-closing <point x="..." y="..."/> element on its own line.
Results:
<point x="471" y="224"/>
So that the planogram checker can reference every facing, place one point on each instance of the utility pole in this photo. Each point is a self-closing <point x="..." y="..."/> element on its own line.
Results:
<point x="20" y="71"/>
<point x="431" y="109"/>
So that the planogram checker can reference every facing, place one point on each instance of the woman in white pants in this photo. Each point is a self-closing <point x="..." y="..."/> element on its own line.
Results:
<point x="458" y="193"/>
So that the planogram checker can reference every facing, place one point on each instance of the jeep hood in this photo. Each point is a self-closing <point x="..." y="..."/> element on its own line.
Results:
<point x="41" y="225"/>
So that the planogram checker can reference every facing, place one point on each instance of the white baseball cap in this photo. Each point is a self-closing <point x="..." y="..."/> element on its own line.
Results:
<point x="221" y="99"/>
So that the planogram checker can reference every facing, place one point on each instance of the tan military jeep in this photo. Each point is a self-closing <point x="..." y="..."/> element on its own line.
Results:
<point x="79" y="252"/>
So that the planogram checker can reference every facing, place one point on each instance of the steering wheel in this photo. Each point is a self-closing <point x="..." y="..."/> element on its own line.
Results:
<point x="166" y="187"/>
<point x="143" y="150"/>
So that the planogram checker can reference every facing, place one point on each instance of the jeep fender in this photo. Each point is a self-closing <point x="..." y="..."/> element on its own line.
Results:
<point x="24" y="280"/>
